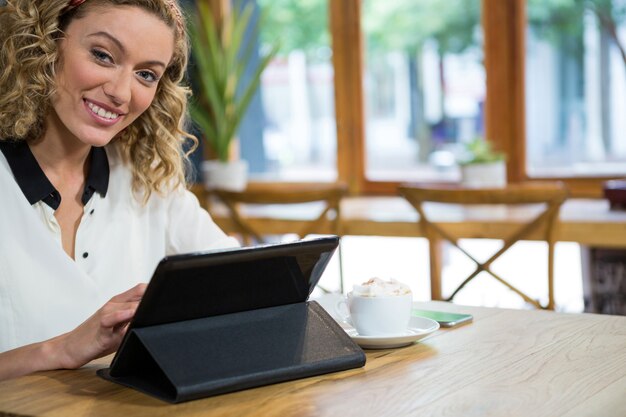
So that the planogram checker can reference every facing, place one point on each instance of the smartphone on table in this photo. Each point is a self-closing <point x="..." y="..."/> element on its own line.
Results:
<point x="444" y="319"/>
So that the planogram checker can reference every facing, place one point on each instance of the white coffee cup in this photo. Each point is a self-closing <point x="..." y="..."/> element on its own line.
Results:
<point x="381" y="311"/>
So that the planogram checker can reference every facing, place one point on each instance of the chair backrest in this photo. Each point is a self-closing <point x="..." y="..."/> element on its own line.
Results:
<point x="551" y="194"/>
<point x="540" y="223"/>
<point x="328" y="194"/>
<point x="517" y="193"/>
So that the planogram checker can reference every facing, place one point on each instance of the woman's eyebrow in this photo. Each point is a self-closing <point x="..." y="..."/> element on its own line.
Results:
<point x="121" y="46"/>
<point x="110" y="37"/>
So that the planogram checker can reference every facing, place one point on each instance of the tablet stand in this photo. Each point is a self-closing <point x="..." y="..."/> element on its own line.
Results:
<point x="202" y="357"/>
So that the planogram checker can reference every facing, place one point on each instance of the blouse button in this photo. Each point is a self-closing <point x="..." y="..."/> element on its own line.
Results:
<point x="85" y="254"/>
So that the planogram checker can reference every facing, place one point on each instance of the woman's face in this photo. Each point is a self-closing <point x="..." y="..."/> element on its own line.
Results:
<point x="110" y="64"/>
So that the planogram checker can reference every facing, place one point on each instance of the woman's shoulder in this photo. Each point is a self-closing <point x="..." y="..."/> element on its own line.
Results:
<point x="120" y="169"/>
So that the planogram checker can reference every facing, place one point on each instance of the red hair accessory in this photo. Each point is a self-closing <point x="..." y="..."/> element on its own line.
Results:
<point x="180" y="23"/>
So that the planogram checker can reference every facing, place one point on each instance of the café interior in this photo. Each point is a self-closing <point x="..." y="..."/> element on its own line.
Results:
<point x="470" y="149"/>
<point x="363" y="98"/>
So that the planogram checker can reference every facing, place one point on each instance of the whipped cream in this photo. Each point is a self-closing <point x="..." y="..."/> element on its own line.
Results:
<point x="377" y="287"/>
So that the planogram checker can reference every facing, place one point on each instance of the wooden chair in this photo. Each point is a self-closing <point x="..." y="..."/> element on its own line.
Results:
<point x="538" y="225"/>
<point x="325" y="221"/>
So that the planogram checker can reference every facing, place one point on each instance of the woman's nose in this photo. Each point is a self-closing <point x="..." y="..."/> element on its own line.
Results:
<point x="118" y="89"/>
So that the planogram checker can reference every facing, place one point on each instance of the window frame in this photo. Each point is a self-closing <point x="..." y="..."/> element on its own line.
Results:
<point x="504" y="27"/>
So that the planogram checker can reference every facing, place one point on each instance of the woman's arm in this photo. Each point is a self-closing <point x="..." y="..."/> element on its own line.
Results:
<point x="190" y="228"/>
<point x="100" y="335"/>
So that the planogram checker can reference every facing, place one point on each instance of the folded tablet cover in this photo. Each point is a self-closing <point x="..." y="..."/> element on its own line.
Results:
<point x="233" y="320"/>
<point x="198" y="358"/>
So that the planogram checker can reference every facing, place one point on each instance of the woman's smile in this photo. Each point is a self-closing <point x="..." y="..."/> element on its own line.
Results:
<point x="103" y="114"/>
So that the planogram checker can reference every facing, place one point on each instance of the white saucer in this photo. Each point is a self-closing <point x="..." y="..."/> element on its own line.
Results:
<point x="419" y="327"/>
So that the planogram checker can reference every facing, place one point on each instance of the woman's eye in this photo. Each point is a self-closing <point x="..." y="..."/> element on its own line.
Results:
<point x="101" y="56"/>
<point x="148" y="76"/>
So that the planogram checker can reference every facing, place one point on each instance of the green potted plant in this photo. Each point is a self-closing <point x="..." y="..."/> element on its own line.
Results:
<point x="482" y="166"/>
<point x="223" y="93"/>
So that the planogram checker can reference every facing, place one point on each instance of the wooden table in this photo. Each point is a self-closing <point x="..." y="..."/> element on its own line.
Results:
<point x="586" y="221"/>
<point x="506" y="363"/>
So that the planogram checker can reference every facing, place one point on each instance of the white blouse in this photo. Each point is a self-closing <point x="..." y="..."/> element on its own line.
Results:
<point x="44" y="293"/>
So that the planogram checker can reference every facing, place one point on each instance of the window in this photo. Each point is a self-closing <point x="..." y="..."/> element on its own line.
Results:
<point x="290" y="134"/>
<point x="575" y="88"/>
<point x="374" y="93"/>
<point x="424" y="85"/>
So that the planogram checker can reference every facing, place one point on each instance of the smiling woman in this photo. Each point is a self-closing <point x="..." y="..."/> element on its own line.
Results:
<point x="27" y="87"/>
<point x="91" y="172"/>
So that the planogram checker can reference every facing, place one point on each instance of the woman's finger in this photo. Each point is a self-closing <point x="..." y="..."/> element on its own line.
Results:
<point x="132" y="294"/>
<point x="119" y="315"/>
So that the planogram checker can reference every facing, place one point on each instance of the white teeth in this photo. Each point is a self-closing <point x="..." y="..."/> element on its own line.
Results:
<point x="101" y="112"/>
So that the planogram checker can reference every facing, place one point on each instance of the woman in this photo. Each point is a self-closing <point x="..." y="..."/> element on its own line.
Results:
<point x="91" y="173"/>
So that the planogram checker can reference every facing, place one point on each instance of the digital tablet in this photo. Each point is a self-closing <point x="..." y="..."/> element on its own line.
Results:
<point x="223" y="321"/>
<point x="204" y="284"/>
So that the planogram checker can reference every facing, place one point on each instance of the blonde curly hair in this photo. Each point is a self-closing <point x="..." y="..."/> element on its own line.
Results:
<point x="153" y="144"/>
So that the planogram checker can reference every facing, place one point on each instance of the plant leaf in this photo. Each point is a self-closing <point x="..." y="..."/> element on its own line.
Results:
<point x="222" y="54"/>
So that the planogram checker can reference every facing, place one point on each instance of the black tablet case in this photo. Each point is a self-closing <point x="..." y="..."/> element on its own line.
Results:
<point x="225" y="321"/>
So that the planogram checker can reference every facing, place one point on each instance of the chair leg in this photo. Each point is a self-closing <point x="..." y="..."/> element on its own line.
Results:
<point x="551" y="303"/>
<point x="435" y="251"/>
<point x="477" y="271"/>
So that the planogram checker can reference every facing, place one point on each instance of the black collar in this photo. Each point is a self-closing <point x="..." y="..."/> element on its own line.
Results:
<point x="36" y="186"/>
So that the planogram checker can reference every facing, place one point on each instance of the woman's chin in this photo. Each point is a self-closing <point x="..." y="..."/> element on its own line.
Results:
<point x="97" y="140"/>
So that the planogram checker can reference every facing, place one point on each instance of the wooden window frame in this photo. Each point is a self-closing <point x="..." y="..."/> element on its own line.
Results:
<point x="504" y="26"/>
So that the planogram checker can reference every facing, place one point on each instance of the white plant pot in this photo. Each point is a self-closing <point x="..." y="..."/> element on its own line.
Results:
<point x="231" y="176"/>
<point x="487" y="175"/>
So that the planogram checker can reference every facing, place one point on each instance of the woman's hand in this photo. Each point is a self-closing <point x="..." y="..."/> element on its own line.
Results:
<point x="98" y="336"/>
<point x="101" y="334"/>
